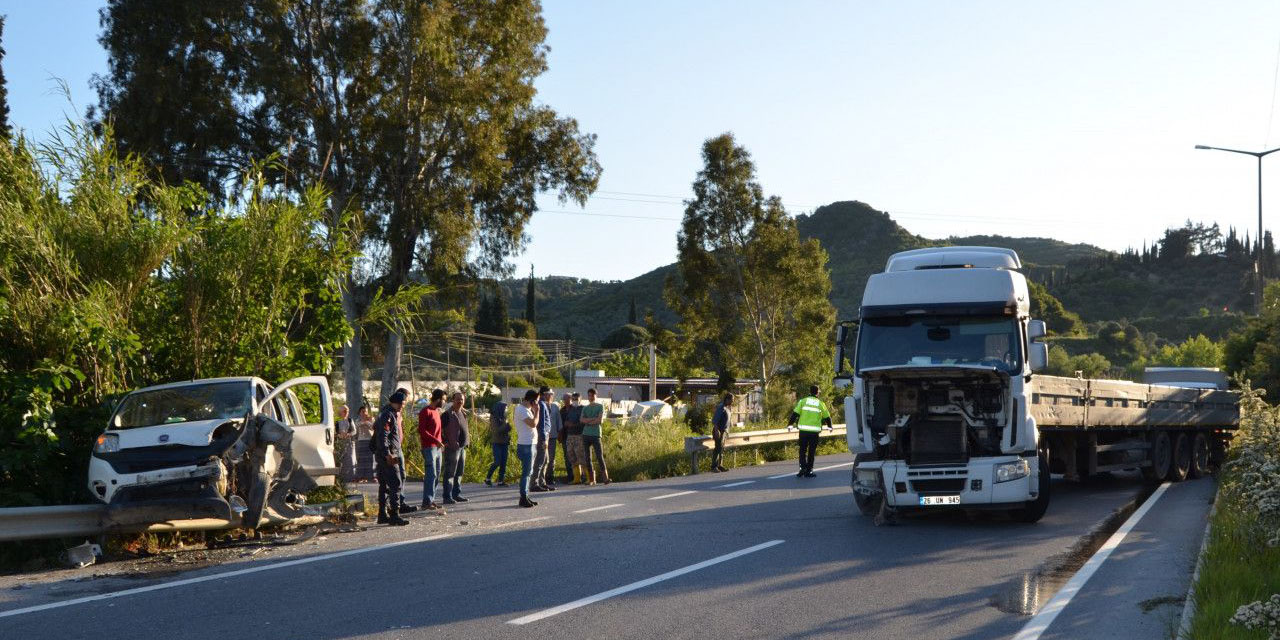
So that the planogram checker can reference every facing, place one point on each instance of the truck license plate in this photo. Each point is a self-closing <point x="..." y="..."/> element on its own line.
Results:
<point x="926" y="501"/>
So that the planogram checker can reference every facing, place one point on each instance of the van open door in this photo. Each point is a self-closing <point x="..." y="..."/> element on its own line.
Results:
<point x="307" y="407"/>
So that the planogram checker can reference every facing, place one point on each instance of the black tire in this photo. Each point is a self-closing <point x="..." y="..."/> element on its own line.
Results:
<point x="1200" y="462"/>
<point x="867" y="505"/>
<point x="1181" y="458"/>
<point x="1035" y="509"/>
<point x="1161" y="458"/>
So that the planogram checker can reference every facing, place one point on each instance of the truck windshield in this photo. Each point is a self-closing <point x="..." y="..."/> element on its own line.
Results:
<point x="940" y="340"/>
<point x="214" y="401"/>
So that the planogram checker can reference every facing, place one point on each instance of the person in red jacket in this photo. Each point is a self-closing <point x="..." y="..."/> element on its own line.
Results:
<point x="430" y="437"/>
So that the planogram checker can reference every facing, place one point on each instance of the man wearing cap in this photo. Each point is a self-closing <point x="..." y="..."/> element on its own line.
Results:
<point x="810" y="415"/>
<point x="389" y="457"/>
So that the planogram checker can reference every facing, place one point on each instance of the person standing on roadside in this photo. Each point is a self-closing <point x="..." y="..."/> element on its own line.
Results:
<point x="389" y="457"/>
<point x="719" y="428"/>
<point x="526" y="438"/>
<point x="345" y="430"/>
<point x="408" y="396"/>
<point x="500" y="440"/>
<point x="544" y="435"/>
<point x="810" y="415"/>
<point x="566" y="404"/>
<point x="574" y="454"/>
<point x="456" y="439"/>
<point x="554" y="434"/>
<point x="431" y="437"/>
<point x="592" y="422"/>
<point x="364" y="452"/>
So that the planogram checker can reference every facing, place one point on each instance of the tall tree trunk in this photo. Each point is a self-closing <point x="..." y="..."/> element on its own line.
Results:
<point x="352" y="372"/>
<point x="391" y="366"/>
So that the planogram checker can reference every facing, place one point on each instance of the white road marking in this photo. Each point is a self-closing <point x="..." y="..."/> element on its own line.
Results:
<point x="607" y="506"/>
<point x="672" y="495"/>
<point x="547" y="613"/>
<point x="1040" y="623"/>
<point x="833" y="466"/>
<point x="781" y="475"/>
<point x="525" y="521"/>
<point x="735" y="484"/>
<point x="216" y="576"/>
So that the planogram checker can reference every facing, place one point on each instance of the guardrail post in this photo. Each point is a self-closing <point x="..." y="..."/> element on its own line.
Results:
<point x="693" y="462"/>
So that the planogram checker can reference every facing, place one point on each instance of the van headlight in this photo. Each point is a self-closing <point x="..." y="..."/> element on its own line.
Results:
<point x="1006" y="471"/>
<point x="107" y="443"/>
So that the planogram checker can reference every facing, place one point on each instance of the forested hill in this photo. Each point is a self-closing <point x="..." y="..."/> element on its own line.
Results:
<point x="1170" y="293"/>
<point x="857" y="237"/>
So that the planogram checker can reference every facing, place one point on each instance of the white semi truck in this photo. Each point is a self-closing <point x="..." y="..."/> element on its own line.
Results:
<point x="948" y="408"/>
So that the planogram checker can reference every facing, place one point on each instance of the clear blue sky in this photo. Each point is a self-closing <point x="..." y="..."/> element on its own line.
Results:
<point x="1069" y="120"/>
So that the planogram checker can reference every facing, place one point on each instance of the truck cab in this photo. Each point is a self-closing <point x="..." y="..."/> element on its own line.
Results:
<point x="939" y="366"/>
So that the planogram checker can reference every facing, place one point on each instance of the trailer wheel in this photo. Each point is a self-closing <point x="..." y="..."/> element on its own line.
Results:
<point x="1161" y="458"/>
<point x="1181" y="458"/>
<point x="1035" y="509"/>
<point x="1200" y="465"/>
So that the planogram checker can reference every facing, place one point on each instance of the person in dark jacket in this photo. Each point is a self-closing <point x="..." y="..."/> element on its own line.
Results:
<point x="389" y="457"/>
<point x="720" y="427"/>
<point x="456" y="439"/>
<point x="500" y="440"/>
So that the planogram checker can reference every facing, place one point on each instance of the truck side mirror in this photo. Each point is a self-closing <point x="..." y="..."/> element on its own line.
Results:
<point x="1039" y="356"/>
<point x="1036" y="329"/>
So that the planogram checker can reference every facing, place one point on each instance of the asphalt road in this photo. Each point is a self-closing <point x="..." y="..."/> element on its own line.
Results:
<point x="768" y="556"/>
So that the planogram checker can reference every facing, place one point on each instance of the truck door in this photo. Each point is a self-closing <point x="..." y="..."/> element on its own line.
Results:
<point x="312" y="423"/>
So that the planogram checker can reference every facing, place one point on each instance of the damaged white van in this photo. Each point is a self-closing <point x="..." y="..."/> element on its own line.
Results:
<point x="228" y="449"/>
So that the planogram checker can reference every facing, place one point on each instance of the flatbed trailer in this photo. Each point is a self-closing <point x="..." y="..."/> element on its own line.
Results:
<point x="1090" y="426"/>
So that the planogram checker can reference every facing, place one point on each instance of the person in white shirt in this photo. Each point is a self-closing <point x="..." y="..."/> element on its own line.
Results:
<point x="526" y="437"/>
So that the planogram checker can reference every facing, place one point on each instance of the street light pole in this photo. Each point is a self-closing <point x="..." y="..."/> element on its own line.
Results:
<point x="1257" y="257"/>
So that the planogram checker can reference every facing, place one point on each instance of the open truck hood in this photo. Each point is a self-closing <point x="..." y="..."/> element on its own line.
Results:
<point x="933" y="371"/>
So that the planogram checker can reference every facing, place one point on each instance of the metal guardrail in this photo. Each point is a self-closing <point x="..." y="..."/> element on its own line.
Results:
<point x="64" y="521"/>
<point x="698" y="445"/>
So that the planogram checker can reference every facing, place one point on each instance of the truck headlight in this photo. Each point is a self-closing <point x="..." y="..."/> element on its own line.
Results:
<point x="107" y="443"/>
<point x="1006" y="471"/>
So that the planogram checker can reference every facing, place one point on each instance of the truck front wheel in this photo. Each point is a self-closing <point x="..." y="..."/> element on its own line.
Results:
<point x="1035" y="509"/>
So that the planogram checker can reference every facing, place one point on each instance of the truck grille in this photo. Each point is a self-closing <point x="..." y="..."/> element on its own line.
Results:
<point x="939" y="485"/>
<point x="937" y="442"/>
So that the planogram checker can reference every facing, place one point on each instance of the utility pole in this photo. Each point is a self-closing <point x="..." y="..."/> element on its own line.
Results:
<point x="1257" y="256"/>
<point x="653" y="372"/>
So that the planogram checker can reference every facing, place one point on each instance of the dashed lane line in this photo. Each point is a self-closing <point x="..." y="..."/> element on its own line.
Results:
<point x="605" y="595"/>
<point x="833" y="466"/>
<point x="216" y="576"/>
<point x="525" y="521"/>
<point x="672" y="495"/>
<point x="735" y="484"/>
<point x="601" y="508"/>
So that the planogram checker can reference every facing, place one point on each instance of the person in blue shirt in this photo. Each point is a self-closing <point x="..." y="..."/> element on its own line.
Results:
<point x="720" y="427"/>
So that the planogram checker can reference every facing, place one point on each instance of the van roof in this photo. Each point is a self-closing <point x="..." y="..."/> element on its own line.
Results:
<point x="954" y="258"/>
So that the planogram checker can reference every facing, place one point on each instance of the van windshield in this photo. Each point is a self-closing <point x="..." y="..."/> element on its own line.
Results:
<point x="213" y="401"/>
<point x="940" y="340"/>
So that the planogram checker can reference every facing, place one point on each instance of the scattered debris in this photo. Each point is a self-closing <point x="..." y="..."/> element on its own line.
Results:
<point x="83" y="555"/>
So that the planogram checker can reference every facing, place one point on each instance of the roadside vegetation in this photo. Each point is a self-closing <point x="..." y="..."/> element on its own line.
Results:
<point x="1238" y="592"/>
